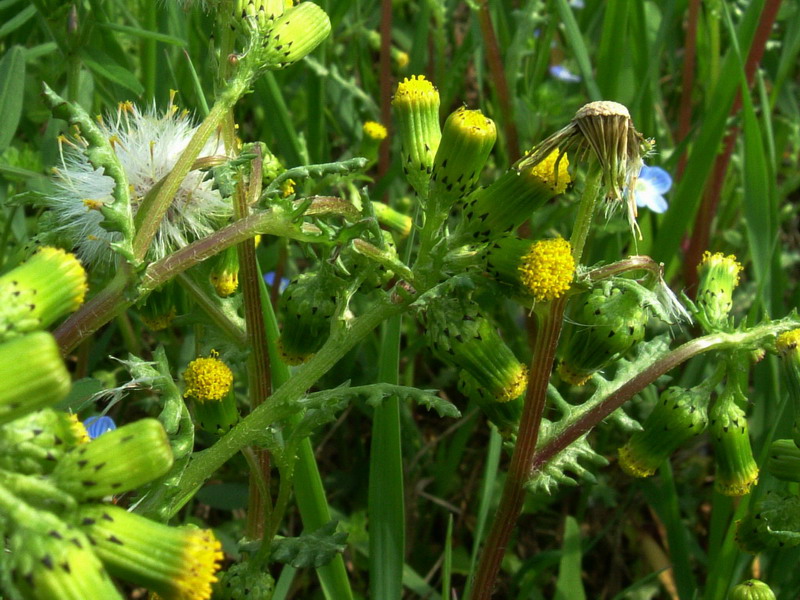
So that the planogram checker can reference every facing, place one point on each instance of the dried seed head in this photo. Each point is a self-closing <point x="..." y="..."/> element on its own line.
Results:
<point x="606" y="129"/>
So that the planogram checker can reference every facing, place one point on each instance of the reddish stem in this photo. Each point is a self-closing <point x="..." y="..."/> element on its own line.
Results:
<point x="498" y="73"/>
<point x="701" y="233"/>
<point x="687" y="81"/>
<point x="385" y="64"/>
<point x="522" y="458"/>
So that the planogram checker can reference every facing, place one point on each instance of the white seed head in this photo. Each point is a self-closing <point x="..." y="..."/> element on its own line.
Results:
<point x="148" y="145"/>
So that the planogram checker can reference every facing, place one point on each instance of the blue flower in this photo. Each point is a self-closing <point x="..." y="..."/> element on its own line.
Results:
<point x="269" y="279"/>
<point x="651" y="186"/>
<point x="97" y="426"/>
<point x="562" y="73"/>
<point x="577" y="4"/>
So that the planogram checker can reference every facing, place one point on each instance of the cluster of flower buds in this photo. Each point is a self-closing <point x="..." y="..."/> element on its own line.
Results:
<point x="606" y="323"/>
<point x="64" y="540"/>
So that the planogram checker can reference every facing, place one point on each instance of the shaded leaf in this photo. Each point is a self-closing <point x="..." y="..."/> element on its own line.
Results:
<point x="310" y="549"/>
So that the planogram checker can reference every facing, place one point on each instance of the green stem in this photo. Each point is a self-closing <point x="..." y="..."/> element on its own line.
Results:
<point x="280" y="405"/>
<point x="231" y="330"/>
<point x="112" y="300"/>
<point x="541" y="368"/>
<point x="583" y="221"/>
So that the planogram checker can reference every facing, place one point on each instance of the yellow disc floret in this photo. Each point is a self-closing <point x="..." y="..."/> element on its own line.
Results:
<point x="78" y="430"/>
<point x="415" y="89"/>
<point x="788" y="341"/>
<point x="375" y="131"/>
<point x="547" y="270"/>
<point x="207" y="379"/>
<point x="517" y="385"/>
<point x="552" y="170"/>
<point x="202" y="555"/>
<point x="718" y="260"/>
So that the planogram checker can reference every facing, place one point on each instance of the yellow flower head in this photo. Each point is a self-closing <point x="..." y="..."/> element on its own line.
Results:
<point x="207" y="379"/>
<point x="415" y="89"/>
<point x="726" y="264"/>
<point x="287" y="188"/>
<point x="517" y="385"/>
<point x="203" y="552"/>
<point x="552" y="170"/>
<point x="547" y="270"/>
<point x="788" y="341"/>
<point x="375" y="131"/>
<point x="78" y="430"/>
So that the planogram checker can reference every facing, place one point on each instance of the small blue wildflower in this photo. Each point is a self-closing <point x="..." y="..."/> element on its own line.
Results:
<point x="562" y="73"/>
<point x="576" y="4"/>
<point x="651" y="186"/>
<point x="97" y="426"/>
<point x="269" y="278"/>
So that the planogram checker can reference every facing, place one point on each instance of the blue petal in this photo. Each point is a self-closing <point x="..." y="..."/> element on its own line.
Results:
<point x="578" y="4"/>
<point x="97" y="426"/>
<point x="658" y="178"/>
<point x="562" y="73"/>
<point x="658" y="204"/>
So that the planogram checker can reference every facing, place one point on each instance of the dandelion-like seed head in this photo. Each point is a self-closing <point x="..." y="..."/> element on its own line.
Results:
<point x="547" y="269"/>
<point x="147" y="144"/>
<point x="207" y="379"/>
<point x="375" y="131"/>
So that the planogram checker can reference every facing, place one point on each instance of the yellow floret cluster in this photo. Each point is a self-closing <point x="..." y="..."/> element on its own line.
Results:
<point x="516" y="386"/>
<point x="201" y="557"/>
<point x="720" y="261"/>
<point x="547" y="269"/>
<point x="788" y="341"/>
<point x="557" y="178"/>
<point x="207" y="379"/>
<point x="474" y="122"/>
<point x="415" y="89"/>
<point x="375" y="131"/>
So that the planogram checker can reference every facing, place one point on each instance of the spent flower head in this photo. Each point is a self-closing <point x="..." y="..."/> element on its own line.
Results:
<point x="147" y="144"/>
<point x="605" y="130"/>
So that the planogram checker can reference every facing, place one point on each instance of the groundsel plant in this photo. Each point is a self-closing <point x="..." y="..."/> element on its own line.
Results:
<point x="235" y="380"/>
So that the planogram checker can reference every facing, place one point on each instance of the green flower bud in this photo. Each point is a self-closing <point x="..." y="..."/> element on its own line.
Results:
<point x="118" y="461"/>
<point x="293" y="35"/>
<point x="505" y="415"/>
<point x="719" y="275"/>
<point x="467" y="139"/>
<point x="54" y="561"/>
<point x="209" y="382"/>
<point x="46" y="287"/>
<point x="737" y="471"/>
<point x="541" y="270"/>
<point x="175" y="562"/>
<point x="32" y="375"/>
<point x="244" y="580"/>
<point x="753" y="589"/>
<point x="784" y="460"/>
<point x="160" y="307"/>
<point x="416" y="109"/>
<point x="224" y="274"/>
<point x="33" y="443"/>
<point x="679" y="415"/>
<point x="512" y="199"/>
<point x="307" y="305"/>
<point x="773" y="522"/>
<point x="788" y="350"/>
<point x="464" y="338"/>
<point x="391" y="218"/>
<point x="607" y="322"/>
<point x="257" y="15"/>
